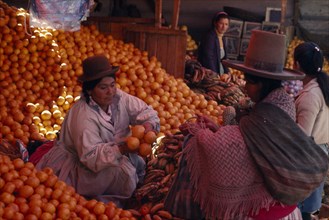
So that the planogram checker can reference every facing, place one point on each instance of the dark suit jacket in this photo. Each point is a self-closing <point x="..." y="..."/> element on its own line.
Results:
<point x="209" y="51"/>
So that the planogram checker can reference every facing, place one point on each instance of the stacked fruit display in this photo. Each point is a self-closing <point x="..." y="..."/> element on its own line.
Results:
<point x="39" y="70"/>
<point x="191" y="44"/>
<point x="26" y="193"/>
<point x="47" y="121"/>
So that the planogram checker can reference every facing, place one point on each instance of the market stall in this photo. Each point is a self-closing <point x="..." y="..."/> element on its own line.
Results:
<point x="38" y="85"/>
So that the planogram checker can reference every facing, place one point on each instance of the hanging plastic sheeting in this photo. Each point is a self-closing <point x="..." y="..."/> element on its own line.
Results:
<point x="59" y="14"/>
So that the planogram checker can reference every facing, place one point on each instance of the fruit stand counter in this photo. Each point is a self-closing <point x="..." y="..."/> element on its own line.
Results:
<point x="168" y="45"/>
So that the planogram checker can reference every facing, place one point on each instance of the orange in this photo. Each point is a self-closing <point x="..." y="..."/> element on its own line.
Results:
<point x="150" y="137"/>
<point x="91" y="204"/>
<point x="19" y="133"/>
<point x="49" y="207"/>
<point x="18" y="163"/>
<point x="99" y="208"/>
<point x="145" y="149"/>
<point x="45" y="115"/>
<point x="42" y="176"/>
<point x="5" y="129"/>
<point x="138" y="131"/>
<point x="26" y="191"/>
<point x="132" y="143"/>
<point x="8" y="212"/>
<point x="32" y="181"/>
<point x="57" y="113"/>
<point x="69" y="98"/>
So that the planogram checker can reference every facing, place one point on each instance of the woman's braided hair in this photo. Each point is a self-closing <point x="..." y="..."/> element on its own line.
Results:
<point x="87" y="86"/>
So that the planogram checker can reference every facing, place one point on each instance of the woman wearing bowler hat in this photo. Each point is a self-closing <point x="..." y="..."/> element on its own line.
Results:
<point x="91" y="154"/>
<point x="256" y="169"/>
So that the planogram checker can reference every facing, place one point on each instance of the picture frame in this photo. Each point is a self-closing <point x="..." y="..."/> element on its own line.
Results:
<point x="235" y="28"/>
<point x="248" y="27"/>
<point x="232" y="46"/>
<point x="273" y="14"/>
<point x="232" y="57"/>
<point x="273" y="27"/>
<point x="244" y="46"/>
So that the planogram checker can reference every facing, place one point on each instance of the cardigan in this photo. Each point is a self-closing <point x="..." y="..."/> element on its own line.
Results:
<point x="209" y="52"/>
<point x="313" y="113"/>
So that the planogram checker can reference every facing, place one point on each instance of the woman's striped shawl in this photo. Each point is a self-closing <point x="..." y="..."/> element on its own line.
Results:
<point x="292" y="164"/>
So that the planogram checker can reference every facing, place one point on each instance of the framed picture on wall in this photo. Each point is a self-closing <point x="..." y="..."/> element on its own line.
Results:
<point x="235" y="28"/>
<point x="250" y="26"/>
<point x="232" y="45"/>
<point x="244" y="46"/>
<point x="273" y="14"/>
<point x="271" y="27"/>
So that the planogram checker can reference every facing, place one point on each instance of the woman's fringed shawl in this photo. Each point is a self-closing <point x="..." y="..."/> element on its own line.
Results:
<point x="236" y="171"/>
<point x="281" y="150"/>
<point x="225" y="179"/>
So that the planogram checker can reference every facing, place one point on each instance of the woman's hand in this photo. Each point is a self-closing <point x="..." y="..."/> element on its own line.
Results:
<point x="184" y="128"/>
<point x="201" y="122"/>
<point x="209" y="123"/>
<point x="190" y="128"/>
<point x="148" y="127"/>
<point x="124" y="150"/>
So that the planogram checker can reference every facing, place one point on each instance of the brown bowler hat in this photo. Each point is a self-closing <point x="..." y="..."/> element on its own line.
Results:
<point x="96" y="67"/>
<point x="265" y="57"/>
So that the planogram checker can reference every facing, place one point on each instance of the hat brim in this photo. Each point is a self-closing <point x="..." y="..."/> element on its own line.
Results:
<point x="286" y="74"/>
<point x="114" y="69"/>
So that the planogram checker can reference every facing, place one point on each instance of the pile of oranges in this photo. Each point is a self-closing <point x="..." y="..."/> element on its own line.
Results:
<point x="47" y="121"/>
<point x="26" y="193"/>
<point x="38" y="66"/>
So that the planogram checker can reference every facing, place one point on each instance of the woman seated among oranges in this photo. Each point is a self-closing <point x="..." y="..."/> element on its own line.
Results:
<point x="91" y="153"/>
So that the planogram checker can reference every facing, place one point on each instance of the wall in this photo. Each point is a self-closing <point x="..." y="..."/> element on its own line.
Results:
<point x="197" y="14"/>
<point x="311" y="18"/>
<point x="313" y="22"/>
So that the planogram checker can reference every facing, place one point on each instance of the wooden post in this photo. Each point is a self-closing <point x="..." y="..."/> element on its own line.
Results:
<point x="158" y="13"/>
<point x="175" y="16"/>
<point x="283" y="15"/>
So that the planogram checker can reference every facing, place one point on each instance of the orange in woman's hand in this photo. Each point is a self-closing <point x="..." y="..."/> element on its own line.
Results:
<point x="138" y="131"/>
<point x="132" y="143"/>
<point x="150" y="137"/>
<point x="145" y="149"/>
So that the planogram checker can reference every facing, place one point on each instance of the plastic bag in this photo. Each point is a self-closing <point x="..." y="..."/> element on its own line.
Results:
<point x="59" y="14"/>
